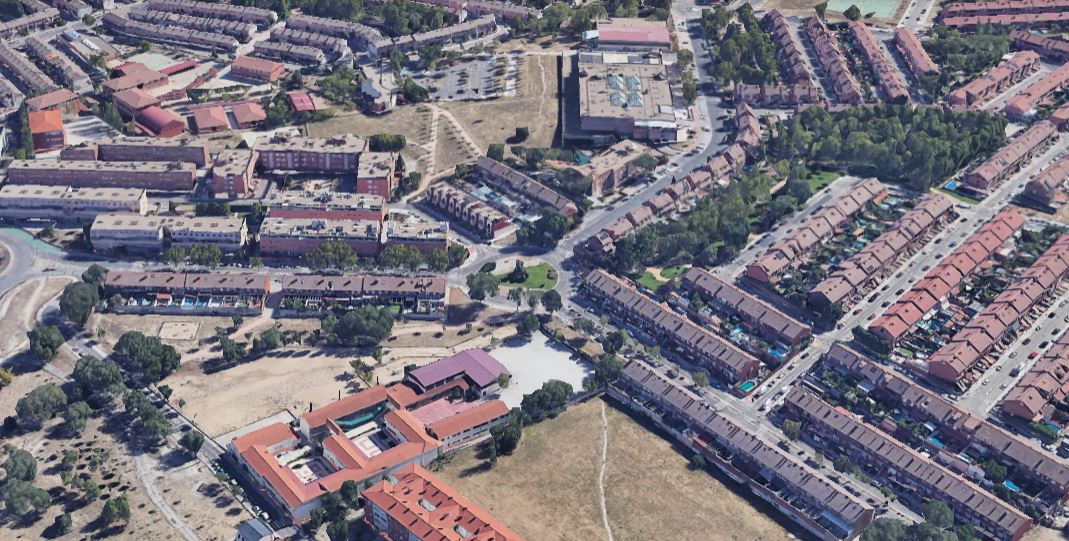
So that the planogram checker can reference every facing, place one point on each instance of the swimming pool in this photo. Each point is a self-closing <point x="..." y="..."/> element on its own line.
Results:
<point x="882" y="9"/>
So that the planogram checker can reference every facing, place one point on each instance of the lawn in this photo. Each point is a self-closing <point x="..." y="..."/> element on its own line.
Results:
<point x="537" y="278"/>
<point x="820" y="179"/>
<point x="650" y="492"/>
<point x="649" y="281"/>
<point x="960" y="197"/>
<point x="669" y="273"/>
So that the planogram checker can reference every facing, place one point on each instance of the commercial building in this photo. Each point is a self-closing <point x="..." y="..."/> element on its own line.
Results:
<point x="626" y="95"/>
<point x="37" y="202"/>
<point x="1046" y="384"/>
<point x="298" y="54"/>
<point x="158" y="176"/>
<point x="257" y="69"/>
<point x="186" y="293"/>
<point x="802" y="241"/>
<point x="1023" y="105"/>
<point x="378" y="174"/>
<point x="825" y="509"/>
<point x="496" y="174"/>
<point x="1001" y="77"/>
<point x="233" y="173"/>
<point x="621" y="34"/>
<point x="330" y="205"/>
<point x="457" y="33"/>
<point x="913" y="52"/>
<point x="891" y="85"/>
<point x="135" y="233"/>
<point x="480" y="217"/>
<point x="697" y="345"/>
<point x="298" y="236"/>
<point x="309" y="295"/>
<point x="212" y="10"/>
<point x="1002" y="317"/>
<point x="412" y="503"/>
<point x="863" y="270"/>
<point x="70" y="74"/>
<point x="46" y="129"/>
<point x="177" y="35"/>
<point x="755" y="314"/>
<point x="880" y="454"/>
<point x="336" y="154"/>
<point x="1011" y="157"/>
<point x="944" y="278"/>
<point x="25" y="73"/>
<point x="830" y="56"/>
<point x="236" y="29"/>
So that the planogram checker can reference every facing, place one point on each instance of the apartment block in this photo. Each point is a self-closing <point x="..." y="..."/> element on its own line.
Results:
<point x="830" y="55"/>
<point x="457" y="33"/>
<point x="485" y="220"/>
<point x="998" y="79"/>
<point x="1002" y="317"/>
<point x="944" y="278"/>
<point x="378" y="174"/>
<point x="298" y="236"/>
<point x="158" y="176"/>
<point x="1044" y="386"/>
<point x="891" y="85"/>
<point x="499" y="174"/>
<point x="879" y="453"/>
<point x="177" y="35"/>
<point x="863" y="270"/>
<point x="822" y="225"/>
<point x="211" y="10"/>
<point x="337" y="154"/>
<point x="280" y="50"/>
<point x="756" y="315"/>
<point x="187" y="149"/>
<point x="913" y="52"/>
<point x="692" y="342"/>
<point x="1010" y="158"/>
<point x="62" y="203"/>
<point x="134" y="233"/>
<point x="233" y="173"/>
<point x="615" y="166"/>
<point x="70" y="74"/>
<point x="802" y="493"/>
<point x="25" y="73"/>
<point x="425" y="236"/>
<point x="47" y="131"/>
<point x="326" y="206"/>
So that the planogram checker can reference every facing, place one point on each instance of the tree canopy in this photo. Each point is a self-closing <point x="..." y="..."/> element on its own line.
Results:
<point x="21" y="465"/>
<point x="78" y="301"/>
<point x="96" y="376"/>
<point x="332" y="254"/>
<point x="365" y="326"/>
<point x="45" y="341"/>
<point x="546" y="402"/>
<point x="146" y="356"/>
<point x="40" y="405"/>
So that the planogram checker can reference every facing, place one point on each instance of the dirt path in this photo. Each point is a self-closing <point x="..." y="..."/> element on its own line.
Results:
<point x="144" y="473"/>
<point x="601" y="473"/>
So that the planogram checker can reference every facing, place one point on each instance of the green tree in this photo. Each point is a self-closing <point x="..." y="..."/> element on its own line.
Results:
<point x="507" y="435"/>
<point x="938" y="514"/>
<point x="45" y="342"/>
<point x="400" y="256"/>
<point x="40" y="405"/>
<point x="482" y="285"/>
<point x="551" y="301"/>
<point x="21" y="465"/>
<point x="6" y="377"/>
<point x="78" y="301"/>
<point x="75" y="417"/>
<point x="792" y="429"/>
<point x="852" y="13"/>
<point x="175" y="255"/>
<point x="528" y="325"/>
<point x="95" y="275"/>
<point x="701" y="379"/>
<point x="146" y="356"/>
<point x="995" y="472"/>
<point x="516" y="295"/>
<point x="350" y="494"/>
<point x="63" y="524"/>
<point x="97" y="376"/>
<point x="110" y="115"/>
<point x="547" y="401"/>
<point x="697" y="462"/>
<point x="885" y="529"/>
<point x="387" y="142"/>
<point x="366" y="326"/>
<point x="519" y="273"/>
<point x="115" y="510"/>
<point x="333" y="254"/>
<point x="192" y="441"/>
<point x="232" y="351"/>
<point x="438" y="260"/>
<point x="496" y="151"/>
<point x="338" y="530"/>
<point x="21" y="497"/>
<point x="206" y="255"/>
<point x="614" y="341"/>
<point x="821" y="8"/>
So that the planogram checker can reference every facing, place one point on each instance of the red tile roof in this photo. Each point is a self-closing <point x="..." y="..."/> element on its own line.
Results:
<point x="249" y="113"/>
<point x="471" y="417"/>
<point x="45" y="121"/>
<point x="210" y="118"/>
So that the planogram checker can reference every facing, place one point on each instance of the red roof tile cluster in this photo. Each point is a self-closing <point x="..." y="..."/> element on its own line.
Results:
<point x="897" y="320"/>
<point x="894" y="90"/>
<point x="301" y="102"/>
<point x="990" y="173"/>
<point x="1001" y="77"/>
<point x="757" y="314"/>
<point x="916" y="57"/>
<point x="791" y="54"/>
<point x="45" y="121"/>
<point x="1046" y="383"/>
<point x="954" y="360"/>
<point x="1048" y="47"/>
<point x="822" y="225"/>
<point x="1024" y="104"/>
<point x="777" y="94"/>
<point x="1046" y="187"/>
<point x="426" y="508"/>
<point x="852" y="275"/>
<point x="831" y="58"/>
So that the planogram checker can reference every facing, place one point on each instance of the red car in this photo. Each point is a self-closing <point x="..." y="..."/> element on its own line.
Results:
<point x="1033" y="355"/>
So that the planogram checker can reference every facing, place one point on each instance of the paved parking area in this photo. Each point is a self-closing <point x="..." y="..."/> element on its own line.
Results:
<point x="472" y="79"/>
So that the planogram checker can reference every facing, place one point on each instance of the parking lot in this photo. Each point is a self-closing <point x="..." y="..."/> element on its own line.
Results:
<point x="478" y="78"/>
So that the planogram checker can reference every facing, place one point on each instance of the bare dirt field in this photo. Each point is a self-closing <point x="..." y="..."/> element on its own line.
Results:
<point x="536" y="105"/>
<point x="650" y="492"/>
<point x="18" y="311"/>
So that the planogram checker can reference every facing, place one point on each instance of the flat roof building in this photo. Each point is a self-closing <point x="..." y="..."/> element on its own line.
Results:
<point x="336" y="154"/>
<point x="135" y="233"/>
<point x="37" y="202"/>
<point x="141" y="149"/>
<point x="153" y="176"/>
<point x="626" y="95"/>
<point x="298" y="236"/>
<point x="233" y="172"/>
<point x="326" y="206"/>
<point x="622" y="34"/>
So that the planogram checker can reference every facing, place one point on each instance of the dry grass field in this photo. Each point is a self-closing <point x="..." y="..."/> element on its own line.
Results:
<point x="18" y="311"/>
<point x="411" y="121"/>
<point x="650" y="493"/>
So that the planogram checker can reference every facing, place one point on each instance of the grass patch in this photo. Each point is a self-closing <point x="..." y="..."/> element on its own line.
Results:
<point x="647" y="280"/>
<point x="674" y="271"/>
<point x="537" y="278"/>
<point x="821" y="179"/>
<point x="960" y="197"/>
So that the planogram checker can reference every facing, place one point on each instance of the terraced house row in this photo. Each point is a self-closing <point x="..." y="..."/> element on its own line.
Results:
<point x="475" y="213"/>
<point x="239" y="30"/>
<point x="1047" y="188"/>
<point x="791" y="54"/>
<point x="1048" y="47"/>
<point x="913" y="52"/>
<point x="831" y="58"/>
<point x="358" y="34"/>
<point x="943" y="279"/>
<point x="969" y="15"/>
<point x="331" y="46"/>
<point x="70" y="74"/>
<point x="170" y="34"/>
<point x="808" y="498"/>
<point x="799" y="88"/>
<point x="39" y="16"/>
<point x="247" y="14"/>
<point x="1040" y="474"/>
<point x="280" y="50"/>
<point x="821" y="226"/>
<point x="998" y="79"/>
<point x="1010" y="158"/>
<point x="1023" y="106"/>
<point x="1044" y="386"/>
<point x="25" y="72"/>
<point x="499" y="173"/>
<point x="891" y="85"/>
<point x="756" y="315"/>
<point x="954" y="360"/>
<point x="864" y="269"/>
<point x="879" y="454"/>
<point x="691" y="341"/>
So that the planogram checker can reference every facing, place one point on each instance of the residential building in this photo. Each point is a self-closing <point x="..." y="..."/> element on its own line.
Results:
<point x="497" y="174"/>
<point x="233" y="173"/>
<point x="1010" y="158"/>
<point x="622" y="34"/>
<point x="27" y="75"/>
<point x="186" y="293"/>
<point x="945" y="277"/>
<point x="1046" y="384"/>
<point x="822" y="225"/>
<point x="177" y="35"/>
<point x="47" y="131"/>
<point x="70" y="74"/>
<point x="425" y="236"/>
<point x="862" y="271"/>
<point x="995" y="81"/>
<point x="777" y="95"/>
<point x="830" y="55"/>
<point x="913" y="52"/>
<point x="209" y="120"/>
<point x="236" y="29"/>
<point x="62" y="203"/>
<point x="133" y="233"/>
<point x="249" y="115"/>
<point x="298" y="236"/>
<point x="330" y="205"/>
<point x="378" y="174"/>
<point x="457" y="33"/>
<point x="280" y="50"/>
<point x="153" y="176"/>
<point x="480" y="217"/>
<point x="333" y="47"/>
<point x="412" y="503"/>
<point x="755" y="314"/>
<point x="140" y="149"/>
<point x="886" y="75"/>
<point x="352" y="31"/>
<point x="1050" y="47"/>
<point x="418" y="297"/>
<point x="627" y="96"/>
<point x="616" y="165"/>
<point x="1047" y="189"/>
<point x="789" y="50"/>
<point x="248" y="14"/>
<point x="695" y="344"/>
<point x="1023" y="105"/>
<point x="39" y="16"/>
<point x="337" y="154"/>
<point x="257" y="69"/>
